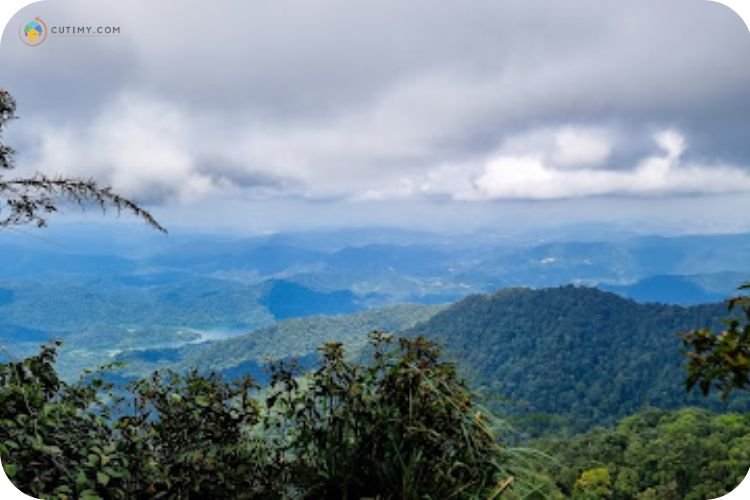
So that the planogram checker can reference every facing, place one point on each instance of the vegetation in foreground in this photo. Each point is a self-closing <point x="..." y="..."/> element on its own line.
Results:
<point x="401" y="426"/>
<point x="720" y="360"/>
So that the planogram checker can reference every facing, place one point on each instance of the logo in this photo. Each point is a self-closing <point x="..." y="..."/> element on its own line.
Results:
<point x="33" y="33"/>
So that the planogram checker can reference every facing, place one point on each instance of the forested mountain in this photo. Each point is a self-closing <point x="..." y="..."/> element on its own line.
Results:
<point x="569" y="357"/>
<point x="299" y="337"/>
<point x="285" y="299"/>
<point x="559" y="359"/>
<point x="98" y="316"/>
<point x="572" y="357"/>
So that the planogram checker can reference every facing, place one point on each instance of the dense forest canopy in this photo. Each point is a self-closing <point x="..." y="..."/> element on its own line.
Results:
<point x="573" y="357"/>
<point x="684" y="454"/>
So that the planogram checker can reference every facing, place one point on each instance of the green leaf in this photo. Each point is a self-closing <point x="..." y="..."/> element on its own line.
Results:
<point x="63" y="489"/>
<point x="102" y="478"/>
<point x="81" y="480"/>
<point x="90" y="495"/>
<point x="10" y="470"/>
<point x="52" y="450"/>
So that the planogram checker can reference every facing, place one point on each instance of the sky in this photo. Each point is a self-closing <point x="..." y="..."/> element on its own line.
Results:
<point x="267" y="115"/>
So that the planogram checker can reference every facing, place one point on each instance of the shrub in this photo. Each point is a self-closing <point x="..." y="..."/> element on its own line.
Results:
<point x="403" y="425"/>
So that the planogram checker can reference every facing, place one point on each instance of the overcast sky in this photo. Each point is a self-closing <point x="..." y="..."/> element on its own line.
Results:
<point x="267" y="114"/>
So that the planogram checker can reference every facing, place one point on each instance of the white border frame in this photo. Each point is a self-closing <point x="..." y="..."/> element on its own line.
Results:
<point x="9" y="8"/>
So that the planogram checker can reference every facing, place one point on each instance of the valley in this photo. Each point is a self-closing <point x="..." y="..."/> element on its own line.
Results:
<point x="602" y="345"/>
<point x="572" y="341"/>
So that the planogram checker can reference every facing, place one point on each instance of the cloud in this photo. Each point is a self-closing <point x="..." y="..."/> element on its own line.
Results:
<point x="566" y="146"/>
<point x="325" y="100"/>
<point x="159" y="152"/>
<point x="671" y="142"/>
<point x="529" y="177"/>
<point x="141" y="147"/>
<point x="574" y="148"/>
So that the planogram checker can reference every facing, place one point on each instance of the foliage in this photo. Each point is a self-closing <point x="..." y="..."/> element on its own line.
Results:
<point x="54" y="438"/>
<point x="30" y="200"/>
<point x="402" y="426"/>
<point x="685" y="454"/>
<point x="593" y="484"/>
<point x="187" y="433"/>
<point x="566" y="359"/>
<point x="721" y="359"/>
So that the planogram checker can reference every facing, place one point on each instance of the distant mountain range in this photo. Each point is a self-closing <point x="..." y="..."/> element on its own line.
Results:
<point x="392" y="266"/>
<point x="684" y="290"/>
<point x="105" y="292"/>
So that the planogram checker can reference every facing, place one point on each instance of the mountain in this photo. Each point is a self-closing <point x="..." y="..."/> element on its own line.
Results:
<point x="6" y="296"/>
<point x="31" y="263"/>
<point x="299" y="338"/>
<point x="680" y="290"/>
<point x="417" y="260"/>
<point x="572" y="357"/>
<point x="285" y="299"/>
<point x="104" y="290"/>
<point x="265" y="259"/>
<point x="560" y="359"/>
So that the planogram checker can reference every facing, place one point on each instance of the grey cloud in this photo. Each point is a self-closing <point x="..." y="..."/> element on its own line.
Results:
<point x="332" y="99"/>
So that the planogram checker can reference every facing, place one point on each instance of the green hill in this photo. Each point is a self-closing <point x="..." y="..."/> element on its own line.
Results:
<point x="572" y="357"/>
<point x="298" y="337"/>
<point x="562" y="359"/>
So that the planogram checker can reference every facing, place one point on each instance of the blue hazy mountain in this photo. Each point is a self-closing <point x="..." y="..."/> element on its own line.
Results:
<point x="418" y="260"/>
<point x="265" y="258"/>
<point x="103" y="289"/>
<point x="666" y="289"/>
<point x="24" y="262"/>
<point x="10" y="333"/>
<point x="285" y="299"/>
<point x="6" y="296"/>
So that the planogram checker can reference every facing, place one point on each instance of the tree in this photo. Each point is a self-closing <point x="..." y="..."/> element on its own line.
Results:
<point x="30" y="200"/>
<point x="402" y="425"/>
<point x="593" y="484"/>
<point x="721" y="359"/>
<point x="686" y="454"/>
